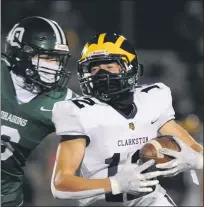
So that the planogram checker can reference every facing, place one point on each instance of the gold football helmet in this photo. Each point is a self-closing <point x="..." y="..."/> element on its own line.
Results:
<point x="108" y="48"/>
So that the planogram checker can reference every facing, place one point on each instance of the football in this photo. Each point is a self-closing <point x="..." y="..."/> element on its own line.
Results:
<point x="151" y="149"/>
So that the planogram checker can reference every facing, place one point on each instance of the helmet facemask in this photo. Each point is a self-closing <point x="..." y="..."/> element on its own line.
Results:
<point x="104" y="84"/>
<point x="42" y="70"/>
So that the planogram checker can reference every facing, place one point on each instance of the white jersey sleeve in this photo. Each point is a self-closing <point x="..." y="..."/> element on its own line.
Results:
<point x="66" y="119"/>
<point x="165" y="98"/>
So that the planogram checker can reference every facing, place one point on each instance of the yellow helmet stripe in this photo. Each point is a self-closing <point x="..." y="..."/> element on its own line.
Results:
<point x="109" y="47"/>
<point x="119" y="41"/>
<point x="101" y="39"/>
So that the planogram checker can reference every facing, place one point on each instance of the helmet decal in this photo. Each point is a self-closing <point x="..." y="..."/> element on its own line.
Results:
<point x="109" y="47"/>
<point x="16" y="35"/>
<point x="61" y="32"/>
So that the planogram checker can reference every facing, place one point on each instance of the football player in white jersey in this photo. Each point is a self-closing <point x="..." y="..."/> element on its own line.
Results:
<point x="104" y="130"/>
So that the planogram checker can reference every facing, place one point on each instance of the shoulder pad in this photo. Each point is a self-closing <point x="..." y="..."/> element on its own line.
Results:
<point x="157" y="93"/>
<point x="67" y="119"/>
<point x="63" y="109"/>
<point x="149" y="87"/>
<point x="67" y="106"/>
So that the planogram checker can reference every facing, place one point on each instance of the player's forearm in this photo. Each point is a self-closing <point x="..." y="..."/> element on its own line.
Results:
<point x="197" y="147"/>
<point x="74" y="183"/>
<point x="172" y="128"/>
<point x="74" y="187"/>
<point x="191" y="142"/>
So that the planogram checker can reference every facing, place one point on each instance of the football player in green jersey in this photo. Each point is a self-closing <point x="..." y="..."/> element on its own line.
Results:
<point x="34" y="76"/>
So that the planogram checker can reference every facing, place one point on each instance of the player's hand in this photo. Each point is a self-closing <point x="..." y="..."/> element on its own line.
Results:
<point x="130" y="178"/>
<point x="186" y="159"/>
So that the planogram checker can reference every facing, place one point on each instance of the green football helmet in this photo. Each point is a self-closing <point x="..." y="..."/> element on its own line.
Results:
<point x="31" y="40"/>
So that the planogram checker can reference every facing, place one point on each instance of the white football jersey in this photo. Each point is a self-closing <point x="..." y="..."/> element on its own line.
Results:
<point x="113" y="136"/>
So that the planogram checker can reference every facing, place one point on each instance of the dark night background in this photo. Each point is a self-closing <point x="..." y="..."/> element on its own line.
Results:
<point x="168" y="36"/>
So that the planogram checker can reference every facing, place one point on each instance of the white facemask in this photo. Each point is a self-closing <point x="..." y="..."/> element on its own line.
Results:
<point x="46" y="75"/>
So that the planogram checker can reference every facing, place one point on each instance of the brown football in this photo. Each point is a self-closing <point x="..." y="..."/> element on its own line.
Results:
<point x="151" y="149"/>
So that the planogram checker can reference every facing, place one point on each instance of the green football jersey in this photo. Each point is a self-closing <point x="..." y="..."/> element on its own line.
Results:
<point x="23" y="127"/>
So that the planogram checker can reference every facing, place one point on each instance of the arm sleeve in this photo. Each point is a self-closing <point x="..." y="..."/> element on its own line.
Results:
<point x="167" y="112"/>
<point x="66" y="119"/>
